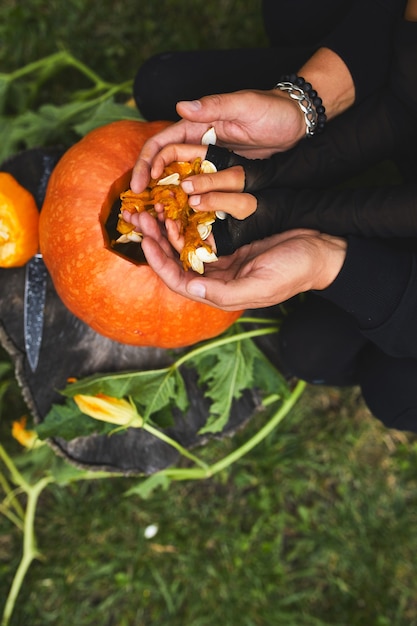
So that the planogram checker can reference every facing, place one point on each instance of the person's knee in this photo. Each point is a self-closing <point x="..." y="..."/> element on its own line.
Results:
<point x="389" y="388"/>
<point x="319" y="344"/>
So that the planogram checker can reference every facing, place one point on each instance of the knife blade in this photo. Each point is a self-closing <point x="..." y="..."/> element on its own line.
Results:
<point x="32" y="169"/>
<point x="34" y="307"/>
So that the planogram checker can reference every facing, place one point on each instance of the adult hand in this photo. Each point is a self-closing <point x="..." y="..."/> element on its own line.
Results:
<point x="255" y="124"/>
<point x="258" y="275"/>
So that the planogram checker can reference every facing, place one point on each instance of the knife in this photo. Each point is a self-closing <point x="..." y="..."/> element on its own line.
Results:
<point x="34" y="308"/>
<point x="32" y="169"/>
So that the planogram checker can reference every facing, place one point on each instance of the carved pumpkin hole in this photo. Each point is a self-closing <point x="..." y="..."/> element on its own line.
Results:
<point x="109" y="217"/>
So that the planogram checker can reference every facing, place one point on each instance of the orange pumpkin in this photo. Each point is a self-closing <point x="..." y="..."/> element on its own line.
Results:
<point x="120" y="299"/>
<point x="19" y="220"/>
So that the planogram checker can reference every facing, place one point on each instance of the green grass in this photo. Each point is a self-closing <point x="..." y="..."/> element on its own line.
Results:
<point x="316" y="527"/>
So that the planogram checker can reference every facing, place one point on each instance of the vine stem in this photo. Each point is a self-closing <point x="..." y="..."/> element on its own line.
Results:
<point x="221" y="342"/>
<point x="80" y="387"/>
<point x="30" y="551"/>
<point x="200" y="473"/>
<point x="30" y="68"/>
<point x="17" y="477"/>
<point x="92" y="103"/>
<point x="55" y="62"/>
<point x="203" y="468"/>
<point x="160" y="435"/>
<point x="10" y="497"/>
<point x="261" y="434"/>
<point x="16" y="520"/>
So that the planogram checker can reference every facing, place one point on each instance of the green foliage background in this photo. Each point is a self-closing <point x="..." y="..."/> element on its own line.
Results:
<point x="316" y="527"/>
<point x="115" y="37"/>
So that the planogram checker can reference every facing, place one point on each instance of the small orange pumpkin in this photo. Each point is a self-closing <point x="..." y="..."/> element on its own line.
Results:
<point x="118" y="298"/>
<point x="19" y="220"/>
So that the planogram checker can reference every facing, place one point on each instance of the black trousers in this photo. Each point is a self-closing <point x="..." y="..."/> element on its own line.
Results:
<point x="320" y="343"/>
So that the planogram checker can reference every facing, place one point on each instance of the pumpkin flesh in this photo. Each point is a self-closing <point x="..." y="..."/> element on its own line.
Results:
<point x="19" y="220"/>
<point x="118" y="298"/>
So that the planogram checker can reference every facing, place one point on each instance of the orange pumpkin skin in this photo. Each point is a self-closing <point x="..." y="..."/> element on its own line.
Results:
<point x="119" y="299"/>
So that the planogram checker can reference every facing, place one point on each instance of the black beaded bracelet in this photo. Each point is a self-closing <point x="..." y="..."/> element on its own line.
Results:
<point x="307" y="99"/>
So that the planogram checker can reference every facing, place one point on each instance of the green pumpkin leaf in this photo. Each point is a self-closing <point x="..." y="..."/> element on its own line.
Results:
<point x="225" y="367"/>
<point x="226" y="374"/>
<point x="108" y="111"/>
<point x="147" y="487"/>
<point x="267" y="378"/>
<point x="151" y="390"/>
<point x="48" y="125"/>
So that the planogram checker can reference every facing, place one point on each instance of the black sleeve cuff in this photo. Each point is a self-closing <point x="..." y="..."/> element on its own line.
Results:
<point x="223" y="239"/>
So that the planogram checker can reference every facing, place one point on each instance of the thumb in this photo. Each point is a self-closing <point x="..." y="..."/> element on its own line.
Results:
<point x="208" y="109"/>
<point x="229" y="295"/>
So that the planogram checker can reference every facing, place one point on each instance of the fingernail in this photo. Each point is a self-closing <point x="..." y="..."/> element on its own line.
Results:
<point x="194" y="200"/>
<point x="188" y="186"/>
<point x="197" y="289"/>
<point x="191" y="105"/>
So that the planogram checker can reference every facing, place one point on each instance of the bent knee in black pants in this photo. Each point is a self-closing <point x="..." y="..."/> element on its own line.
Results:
<point x="320" y="343"/>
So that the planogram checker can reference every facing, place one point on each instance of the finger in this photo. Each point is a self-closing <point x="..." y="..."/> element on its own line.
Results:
<point x="141" y="175"/>
<point x="131" y="218"/>
<point x="163" y="264"/>
<point x="173" y="233"/>
<point x="183" y="132"/>
<point x="247" y="279"/>
<point x="239" y="205"/>
<point x="233" y="295"/>
<point x="231" y="179"/>
<point x="209" y="108"/>
<point x="150" y="228"/>
<point x="141" y="171"/>
<point x="168" y="269"/>
<point x="176" y="152"/>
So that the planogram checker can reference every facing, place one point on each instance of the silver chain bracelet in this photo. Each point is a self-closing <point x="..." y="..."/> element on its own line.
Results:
<point x="304" y="102"/>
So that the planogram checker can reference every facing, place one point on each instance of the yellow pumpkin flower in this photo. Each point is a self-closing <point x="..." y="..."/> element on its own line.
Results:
<point x="27" y="438"/>
<point x="108" y="409"/>
<point x="123" y="413"/>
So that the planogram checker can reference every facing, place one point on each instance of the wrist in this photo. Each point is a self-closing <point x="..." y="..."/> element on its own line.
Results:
<point x="332" y="80"/>
<point x="332" y="255"/>
<point x="308" y="101"/>
<point x="295" y="115"/>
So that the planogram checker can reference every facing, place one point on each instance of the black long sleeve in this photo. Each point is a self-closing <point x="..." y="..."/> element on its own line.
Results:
<point x="364" y="41"/>
<point x="384" y="212"/>
<point x="359" y="31"/>
<point x="381" y="127"/>
<point x="377" y="130"/>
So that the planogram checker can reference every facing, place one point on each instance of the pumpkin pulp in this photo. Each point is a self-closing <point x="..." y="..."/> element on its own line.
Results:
<point x="195" y="226"/>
